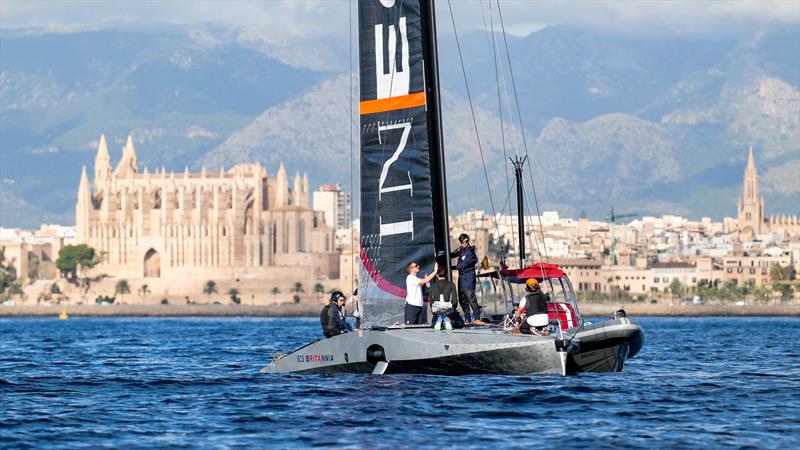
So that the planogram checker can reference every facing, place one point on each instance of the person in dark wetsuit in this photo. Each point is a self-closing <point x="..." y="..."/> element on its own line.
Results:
<point x="444" y="302"/>
<point x="331" y="317"/>
<point x="467" y="259"/>
<point x="534" y="307"/>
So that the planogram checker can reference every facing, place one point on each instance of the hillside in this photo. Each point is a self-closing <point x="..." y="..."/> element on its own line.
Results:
<point x="648" y="125"/>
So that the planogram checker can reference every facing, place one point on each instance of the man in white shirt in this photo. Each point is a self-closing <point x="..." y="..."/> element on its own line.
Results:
<point x="414" y="304"/>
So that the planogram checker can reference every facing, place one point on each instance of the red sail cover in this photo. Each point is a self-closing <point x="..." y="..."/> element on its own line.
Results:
<point x="396" y="207"/>
<point x="540" y="271"/>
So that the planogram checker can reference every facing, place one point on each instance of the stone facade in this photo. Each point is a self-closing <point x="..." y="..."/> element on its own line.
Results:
<point x="239" y="223"/>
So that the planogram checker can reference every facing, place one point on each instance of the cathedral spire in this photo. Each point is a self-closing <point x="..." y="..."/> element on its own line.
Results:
<point x="83" y="189"/>
<point x="128" y="162"/>
<point x="750" y="179"/>
<point x="282" y="190"/>
<point x="751" y="204"/>
<point x="102" y="161"/>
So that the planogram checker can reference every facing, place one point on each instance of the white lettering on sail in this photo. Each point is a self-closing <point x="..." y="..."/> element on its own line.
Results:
<point x="388" y="229"/>
<point x="394" y="83"/>
<point x="406" y="126"/>
<point x="406" y="226"/>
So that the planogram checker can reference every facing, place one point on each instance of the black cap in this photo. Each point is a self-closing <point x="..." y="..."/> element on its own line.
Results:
<point x="335" y="295"/>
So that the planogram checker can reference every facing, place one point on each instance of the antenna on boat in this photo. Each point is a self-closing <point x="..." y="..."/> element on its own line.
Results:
<point x="518" y="163"/>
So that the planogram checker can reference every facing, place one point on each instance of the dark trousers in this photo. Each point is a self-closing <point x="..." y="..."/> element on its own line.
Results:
<point x="451" y="314"/>
<point x="332" y="333"/>
<point x="469" y="304"/>
<point x="414" y="315"/>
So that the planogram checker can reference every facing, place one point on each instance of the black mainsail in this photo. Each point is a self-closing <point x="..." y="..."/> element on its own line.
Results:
<point x="403" y="198"/>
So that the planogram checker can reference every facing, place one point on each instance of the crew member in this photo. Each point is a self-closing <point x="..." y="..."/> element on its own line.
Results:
<point x="355" y="304"/>
<point x="332" y="319"/>
<point x="443" y="296"/>
<point x="414" y="312"/>
<point x="533" y="308"/>
<point x="467" y="259"/>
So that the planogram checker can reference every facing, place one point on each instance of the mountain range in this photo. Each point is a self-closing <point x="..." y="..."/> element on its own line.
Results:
<point x="648" y="125"/>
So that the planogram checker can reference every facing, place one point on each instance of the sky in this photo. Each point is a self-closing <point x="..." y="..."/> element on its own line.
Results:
<point x="325" y="17"/>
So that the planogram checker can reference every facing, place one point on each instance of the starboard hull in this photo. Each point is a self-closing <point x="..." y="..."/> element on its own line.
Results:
<point x="604" y="347"/>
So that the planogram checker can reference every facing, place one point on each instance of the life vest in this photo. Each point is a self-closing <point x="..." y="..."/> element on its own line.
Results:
<point x="535" y="303"/>
<point x="325" y="320"/>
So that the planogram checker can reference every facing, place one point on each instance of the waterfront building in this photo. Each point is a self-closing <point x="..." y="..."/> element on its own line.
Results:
<point x="241" y="222"/>
<point x="752" y="269"/>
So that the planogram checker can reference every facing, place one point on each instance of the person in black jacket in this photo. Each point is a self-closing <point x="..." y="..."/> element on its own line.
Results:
<point x="534" y="309"/>
<point x="467" y="259"/>
<point x="331" y="317"/>
<point x="443" y="298"/>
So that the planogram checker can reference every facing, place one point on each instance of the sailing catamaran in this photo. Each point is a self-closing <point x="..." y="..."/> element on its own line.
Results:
<point x="404" y="218"/>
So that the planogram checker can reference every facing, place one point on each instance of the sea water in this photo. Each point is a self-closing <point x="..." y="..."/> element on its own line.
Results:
<point x="195" y="382"/>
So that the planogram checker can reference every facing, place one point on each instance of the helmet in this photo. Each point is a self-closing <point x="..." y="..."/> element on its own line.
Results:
<point x="335" y="295"/>
<point x="532" y="284"/>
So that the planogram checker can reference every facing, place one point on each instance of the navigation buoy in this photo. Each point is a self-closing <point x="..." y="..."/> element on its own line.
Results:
<point x="63" y="315"/>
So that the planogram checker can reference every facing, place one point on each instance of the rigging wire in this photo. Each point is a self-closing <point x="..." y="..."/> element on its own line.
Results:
<point x="522" y="128"/>
<point x="350" y="128"/>
<point x="500" y="82"/>
<point x="474" y="120"/>
<point x="499" y="100"/>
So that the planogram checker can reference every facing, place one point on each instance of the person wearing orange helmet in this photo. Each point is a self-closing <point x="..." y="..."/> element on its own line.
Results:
<point x="533" y="308"/>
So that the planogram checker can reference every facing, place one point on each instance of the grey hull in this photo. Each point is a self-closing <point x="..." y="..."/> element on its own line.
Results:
<point x="469" y="351"/>
<point x="604" y="347"/>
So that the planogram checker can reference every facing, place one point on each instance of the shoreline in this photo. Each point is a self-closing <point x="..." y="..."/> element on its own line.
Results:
<point x="588" y="309"/>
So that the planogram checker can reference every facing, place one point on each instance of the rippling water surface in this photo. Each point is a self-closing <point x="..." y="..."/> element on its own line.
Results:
<point x="143" y="382"/>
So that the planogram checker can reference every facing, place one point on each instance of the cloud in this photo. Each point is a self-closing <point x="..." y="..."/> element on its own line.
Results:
<point x="331" y="17"/>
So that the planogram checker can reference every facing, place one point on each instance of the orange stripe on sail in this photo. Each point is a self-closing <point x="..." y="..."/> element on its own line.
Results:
<point x="392" y="103"/>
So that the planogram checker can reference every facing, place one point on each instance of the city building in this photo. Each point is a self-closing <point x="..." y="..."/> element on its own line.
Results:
<point x="335" y="205"/>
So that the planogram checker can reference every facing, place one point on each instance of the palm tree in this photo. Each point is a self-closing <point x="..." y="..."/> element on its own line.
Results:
<point x="319" y="289"/>
<point x="122" y="288"/>
<point x="233" y="293"/>
<point x="210" y="288"/>
<point x="144" y="290"/>
<point x="275" y="291"/>
<point x="298" y="288"/>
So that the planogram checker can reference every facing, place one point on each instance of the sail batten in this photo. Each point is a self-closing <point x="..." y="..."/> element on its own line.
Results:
<point x="397" y="213"/>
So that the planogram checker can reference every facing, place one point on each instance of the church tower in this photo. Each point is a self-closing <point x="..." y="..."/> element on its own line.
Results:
<point x="102" y="165"/>
<point x="751" y="205"/>
<point x="282" y="191"/>
<point x="83" y="207"/>
<point x="129" y="161"/>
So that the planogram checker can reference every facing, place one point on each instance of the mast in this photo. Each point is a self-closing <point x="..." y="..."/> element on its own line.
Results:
<point x="441" y="225"/>
<point x="517" y="162"/>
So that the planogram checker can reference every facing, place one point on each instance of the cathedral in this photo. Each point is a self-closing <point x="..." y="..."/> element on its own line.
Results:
<point x="751" y="219"/>
<point x="236" y="223"/>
